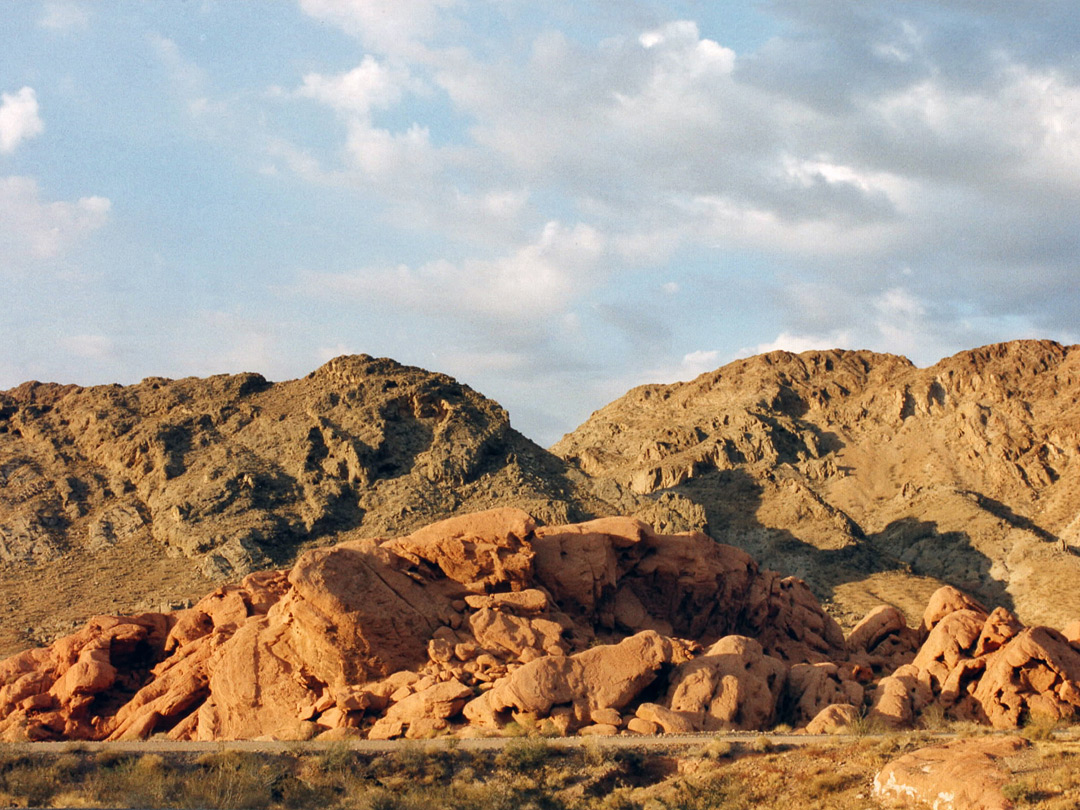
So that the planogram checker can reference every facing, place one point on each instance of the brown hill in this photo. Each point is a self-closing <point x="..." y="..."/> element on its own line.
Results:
<point x="119" y="498"/>
<point x="871" y="478"/>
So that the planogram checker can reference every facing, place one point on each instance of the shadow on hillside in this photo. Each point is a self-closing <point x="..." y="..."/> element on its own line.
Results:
<point x="826" y="559"/>
<point x="948" y="556"/>
<point x="1000" y="510"/>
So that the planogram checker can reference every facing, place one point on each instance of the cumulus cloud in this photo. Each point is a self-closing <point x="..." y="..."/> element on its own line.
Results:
<point x="788" y="342"/>
<point x="372" y="85"/>
<point x="879" y="176"/>
<point x="19" y="119"/>
<point x="34" y="229"/>
<point x="385" y="26"/>
<point x="535" y="281"/>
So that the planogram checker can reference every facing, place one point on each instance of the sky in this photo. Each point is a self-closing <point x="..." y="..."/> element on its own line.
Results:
<point x="551" y="202"/>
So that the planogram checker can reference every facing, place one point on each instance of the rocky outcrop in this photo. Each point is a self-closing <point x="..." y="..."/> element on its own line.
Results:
<point x="961" y="775"/>
<point x="734" y="685"/>
<point x="468" y="625"/>
<point x="854" y="469"/>
<point x="464" y="621"/>
<point x="176" y="485"/>
<point x="983" y="667"/>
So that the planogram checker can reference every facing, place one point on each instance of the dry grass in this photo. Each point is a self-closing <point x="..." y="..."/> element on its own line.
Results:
<point x="527" y="773"/>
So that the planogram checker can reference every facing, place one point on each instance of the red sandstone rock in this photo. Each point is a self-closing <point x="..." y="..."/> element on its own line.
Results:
<point x="387" y="632"/>
<point x="786" y="618"/>
<point x="944" y="601"/>
<point x="882" y="640"/>
<point x="961" y="775"/>
<point x="671" y="722"/>
<point x="481" y="551"/>
<point x="437" y="702"/>
<point x="618" y="573"/>
<point x="811" y="688"/>
<point x="734" y="685"/>
<point x="609" y="676"/>
<point x="1034" y="674"/>
<point x="1000" y="627"/>
<point x="898" y="698"/>
<point x="951" y="640"/>
<point x="836" y="718"/>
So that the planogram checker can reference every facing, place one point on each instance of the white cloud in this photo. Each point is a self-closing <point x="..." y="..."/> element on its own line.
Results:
<point x="533" y="282"/>
<point x="372" y="85"/>
<point x="32" y="229"/>
<point x="19" y="119"/>
<point x="385" y="26"/>
<point x="699" y="362"/>
<point x="64" y="16"/>
<point x="788" y="342"/>
<point x="399" y="157"/>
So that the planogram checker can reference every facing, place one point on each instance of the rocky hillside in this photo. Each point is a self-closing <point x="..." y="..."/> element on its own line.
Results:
<point x="118" y="498"/>
<point x="483" y="620"/>
<point x="871" y="478"/>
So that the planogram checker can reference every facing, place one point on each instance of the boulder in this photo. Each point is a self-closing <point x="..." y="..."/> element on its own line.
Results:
<point x="837" y="718"/>
<point x="810" y="688"/>
<point x="734" y="685"/>
<point x="946" y="600"/>
<point x="962" y="775"/>
<point x="789" y="623"/>
<point x="53" y="692"/>
<point x="882" y="640"/>
<point x="417" y="711"/>
<point x="670" y="722"/>
<point x="511" y="635"/>
<point x="1000" y="626"/>
<point x="482" y="551"/>
<point x="897" y="699"/>
<point x="608" y="676"/>
<point x="1035" y="674"/>
<point x="951" y="640"/>
<point x="528" y="601"/>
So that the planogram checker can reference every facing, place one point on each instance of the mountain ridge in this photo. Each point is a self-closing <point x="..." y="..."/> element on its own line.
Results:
<point x="961" y="472"/>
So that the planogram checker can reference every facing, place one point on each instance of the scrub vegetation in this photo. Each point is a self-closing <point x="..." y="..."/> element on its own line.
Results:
<point x="528" y="772"/>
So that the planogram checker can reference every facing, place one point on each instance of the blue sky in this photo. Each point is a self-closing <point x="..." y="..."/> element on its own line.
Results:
<point x="551" y="202"/>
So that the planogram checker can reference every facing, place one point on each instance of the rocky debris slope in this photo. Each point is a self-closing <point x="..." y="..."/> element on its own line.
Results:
<point x="235" y="474"/>
<point x="874" y="480"/>
<point x="482" y="620"/>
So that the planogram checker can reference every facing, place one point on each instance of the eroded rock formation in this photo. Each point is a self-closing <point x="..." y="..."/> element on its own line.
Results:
<point x="481" y="620"/>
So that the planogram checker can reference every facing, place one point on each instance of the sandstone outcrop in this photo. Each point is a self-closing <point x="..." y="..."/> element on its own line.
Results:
<point x="838" y="718"/>
<point x="983" y="667"/>
<point x="961" y="775"/>
<point x="468" y="625"/>
<point x="733" y="685"/>
<point x="463" y="621"/>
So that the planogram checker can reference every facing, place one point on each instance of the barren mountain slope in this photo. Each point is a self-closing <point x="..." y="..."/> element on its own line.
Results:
<point x="114" y="498"/>
<point x="870" y="477"/>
